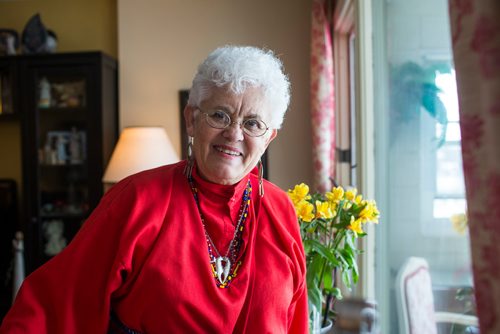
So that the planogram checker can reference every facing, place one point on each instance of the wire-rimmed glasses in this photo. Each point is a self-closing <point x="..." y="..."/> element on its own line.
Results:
<point x="219" y="119"/>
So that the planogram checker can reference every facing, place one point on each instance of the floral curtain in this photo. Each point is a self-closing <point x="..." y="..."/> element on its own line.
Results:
<point x="475" y="27"/>
<point x="322" y="97"/>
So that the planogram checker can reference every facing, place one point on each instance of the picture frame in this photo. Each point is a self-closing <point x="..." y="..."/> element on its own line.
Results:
<point x="64" y="148"/>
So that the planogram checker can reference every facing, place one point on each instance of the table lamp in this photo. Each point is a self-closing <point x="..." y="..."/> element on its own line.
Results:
<point x="138" y="149"/>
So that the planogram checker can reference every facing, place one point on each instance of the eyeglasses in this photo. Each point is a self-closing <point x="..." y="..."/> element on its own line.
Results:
<point x="219" y="119"/>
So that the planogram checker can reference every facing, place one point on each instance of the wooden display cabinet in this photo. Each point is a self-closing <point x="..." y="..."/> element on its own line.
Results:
<point x="67" y="106"/>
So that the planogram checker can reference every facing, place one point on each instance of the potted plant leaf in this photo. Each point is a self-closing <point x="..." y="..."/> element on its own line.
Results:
<point x="330" y="224"/>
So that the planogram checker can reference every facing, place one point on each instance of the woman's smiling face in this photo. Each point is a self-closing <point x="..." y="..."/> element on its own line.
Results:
<point x="225" y="156"/>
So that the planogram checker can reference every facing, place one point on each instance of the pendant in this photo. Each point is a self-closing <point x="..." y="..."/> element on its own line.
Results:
<point x="222" y="266"/>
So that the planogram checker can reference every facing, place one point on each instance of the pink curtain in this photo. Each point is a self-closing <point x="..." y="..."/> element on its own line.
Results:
<point x="475" y="27"/>
<point x="322" y="98"/>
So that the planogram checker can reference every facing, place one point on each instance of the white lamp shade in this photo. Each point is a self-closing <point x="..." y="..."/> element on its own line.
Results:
<point x="138" y="149"/>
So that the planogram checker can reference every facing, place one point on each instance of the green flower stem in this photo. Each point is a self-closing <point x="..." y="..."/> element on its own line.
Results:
<point x="338" y="238"/>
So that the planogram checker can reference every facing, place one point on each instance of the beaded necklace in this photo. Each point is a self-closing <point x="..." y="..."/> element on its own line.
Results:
<point x="225" y="268"/>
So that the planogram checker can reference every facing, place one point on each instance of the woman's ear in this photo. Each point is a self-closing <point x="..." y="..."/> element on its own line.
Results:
<point x="189" y="113"/>
<point x="273" y="135"/>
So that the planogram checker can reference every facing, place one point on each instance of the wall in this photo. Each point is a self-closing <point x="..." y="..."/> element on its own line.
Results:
<point x="162" y="42"/>
<point x="10" y="151"/>
<point x="160" y="45"/>
<point x="80" y="25"/>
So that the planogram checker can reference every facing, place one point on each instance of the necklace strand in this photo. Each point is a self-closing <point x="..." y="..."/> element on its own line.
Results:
<point x="224" y="268"/>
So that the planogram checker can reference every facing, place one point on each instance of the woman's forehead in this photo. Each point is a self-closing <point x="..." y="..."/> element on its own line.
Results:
<point x="252" y="99"/>
<point x="252" y="103"/>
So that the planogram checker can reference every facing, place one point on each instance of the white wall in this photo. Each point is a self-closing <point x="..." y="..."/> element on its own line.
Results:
<point x="161" y="42"/>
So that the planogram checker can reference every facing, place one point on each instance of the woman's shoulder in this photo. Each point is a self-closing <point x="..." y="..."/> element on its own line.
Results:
<point x="273" y="189"/>
<point x="157" y="175"/>
<point x="276" y="196"/>
<point x="278" y="212"/>
<point x="152" y="182"/>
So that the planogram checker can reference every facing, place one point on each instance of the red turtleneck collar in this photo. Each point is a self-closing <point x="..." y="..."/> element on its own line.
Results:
<point x="220" y="206"/>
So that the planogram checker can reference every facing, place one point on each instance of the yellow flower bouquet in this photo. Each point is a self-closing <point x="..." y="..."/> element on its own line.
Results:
<point x="330" y="223"/>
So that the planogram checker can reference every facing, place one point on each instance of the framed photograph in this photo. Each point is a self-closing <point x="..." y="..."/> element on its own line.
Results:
<point x="64" y="148"/>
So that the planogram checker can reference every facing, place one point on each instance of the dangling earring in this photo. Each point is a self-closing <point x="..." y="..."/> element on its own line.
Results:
<point x="261" y="175"/>
<point x="190" y="160"/>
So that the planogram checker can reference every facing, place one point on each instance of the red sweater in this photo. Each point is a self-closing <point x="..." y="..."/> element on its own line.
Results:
<point x="143" y="254"/>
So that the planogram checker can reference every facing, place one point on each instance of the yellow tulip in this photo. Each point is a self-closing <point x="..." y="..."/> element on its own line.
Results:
<point x="370" y="212"/>
<point x="335" y="195"/>
<point x="355" y="225"/>
<point x="347" y="205"/>
<point x="305" y="211"/>
<point x="323" y="210"/>
<point x="358" y="200"/>
<point x="351" y="194"/>
<point x="299" y="193"/>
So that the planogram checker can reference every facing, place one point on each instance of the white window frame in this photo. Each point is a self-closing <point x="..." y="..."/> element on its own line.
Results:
<point x="365" y="139"/>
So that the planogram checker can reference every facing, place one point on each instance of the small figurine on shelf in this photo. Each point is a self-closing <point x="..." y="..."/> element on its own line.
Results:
<point x="45" y="97"/>
<point x="49" y="154"/>
<point x="9" y="42"/>
<point x="56" y="241"/>
<point x="36" y="38"/>
<point x="51" y="43"/>
<point x="69" y="94"/>
<point x="75" y="146"/>
<point x="61" y="148"/>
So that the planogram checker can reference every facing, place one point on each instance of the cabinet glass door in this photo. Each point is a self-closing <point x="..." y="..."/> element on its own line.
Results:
<point x="6" y="85"/>
<point x="67" y="106"/>
<point x="63" y="194"/>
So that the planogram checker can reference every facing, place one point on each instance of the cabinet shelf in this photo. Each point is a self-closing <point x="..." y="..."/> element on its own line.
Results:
<point x="9" y="117"/>
<point x="63" y="109"/>
<point x="64" y="215"/>
<point x="67" y="165"/>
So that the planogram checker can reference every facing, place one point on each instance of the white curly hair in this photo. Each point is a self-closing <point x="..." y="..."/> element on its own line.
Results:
<point x="240" y="67"/>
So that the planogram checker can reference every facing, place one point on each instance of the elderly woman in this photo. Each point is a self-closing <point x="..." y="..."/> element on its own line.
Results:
<point x="202" y="246"/>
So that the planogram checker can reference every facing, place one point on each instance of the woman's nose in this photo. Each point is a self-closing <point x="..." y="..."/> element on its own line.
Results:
<point x="234" y="131"/>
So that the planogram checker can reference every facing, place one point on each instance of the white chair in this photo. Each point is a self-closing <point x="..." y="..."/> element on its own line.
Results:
<point x="415" y="301"/>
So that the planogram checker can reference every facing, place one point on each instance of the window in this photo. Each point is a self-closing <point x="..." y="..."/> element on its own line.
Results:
<point x="449" y="196"/>
<point x="419" y="179"/>
<point x="345" y="72"/>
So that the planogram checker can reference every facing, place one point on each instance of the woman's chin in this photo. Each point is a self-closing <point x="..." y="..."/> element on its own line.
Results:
<point x="226" y="178"/>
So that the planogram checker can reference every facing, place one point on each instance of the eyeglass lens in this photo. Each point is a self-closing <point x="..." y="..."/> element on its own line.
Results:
<point x="220" y="120"/>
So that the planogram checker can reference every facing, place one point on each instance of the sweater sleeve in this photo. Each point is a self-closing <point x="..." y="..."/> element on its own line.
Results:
<point x="288" y="236"/>
<point x="298" y="311"/>
<point x="72" y="292"/>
